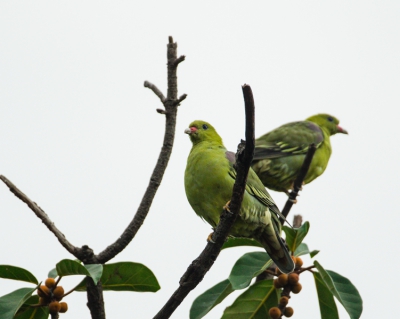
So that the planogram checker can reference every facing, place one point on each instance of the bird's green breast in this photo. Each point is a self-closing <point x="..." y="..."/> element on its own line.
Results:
<point x="320" y="159"/>
<point x="209" y="185"/>
<point x="207" y="182"/>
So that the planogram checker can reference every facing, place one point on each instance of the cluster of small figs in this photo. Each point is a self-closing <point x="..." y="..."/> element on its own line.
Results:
<point x="289" y="283"/>
<point x="50" y="294"/>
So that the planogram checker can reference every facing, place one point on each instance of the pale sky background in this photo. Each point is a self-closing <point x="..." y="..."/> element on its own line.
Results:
<point x="79" y="133"/>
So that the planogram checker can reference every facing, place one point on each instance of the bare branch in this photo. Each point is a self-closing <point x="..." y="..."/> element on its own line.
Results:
<point x="161" y="111"/>
<point x="171" y="109"/>
<point x="155" y="89"/>
<point x="200" y="266"/>
<point x="181" y="98"/>
<point x="298" y="182"/>
<point x="43" y="216"/>
<point x="179" y="60"/>
<point x="95" y="298"/>
<point x="306" y="269"/>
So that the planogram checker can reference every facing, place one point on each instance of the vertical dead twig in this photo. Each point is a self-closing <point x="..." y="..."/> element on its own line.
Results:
<point x="171" y="103"/>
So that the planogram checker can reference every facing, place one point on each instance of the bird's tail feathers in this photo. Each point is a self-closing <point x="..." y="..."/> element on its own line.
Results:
<point x="278" y="253"/>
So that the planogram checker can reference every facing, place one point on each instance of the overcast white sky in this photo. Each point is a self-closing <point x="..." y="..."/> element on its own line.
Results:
<point x="79" y="133"/>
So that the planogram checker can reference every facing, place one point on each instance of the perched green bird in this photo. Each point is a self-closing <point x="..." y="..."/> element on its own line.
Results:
<point x="279" y="154"/>
<point x="209" y="180"/>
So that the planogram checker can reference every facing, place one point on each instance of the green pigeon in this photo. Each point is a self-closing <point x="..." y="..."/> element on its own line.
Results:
<point x="279" y="154"/>
<point x="209" y="179"/>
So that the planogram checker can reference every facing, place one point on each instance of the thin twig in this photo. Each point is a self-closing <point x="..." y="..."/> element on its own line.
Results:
<point x="273" y="273"/>
<point x="305" y="269"/>
<point x="181" y="98"/>
<point x="171" y="109"/>
<point x="179" y="60"/>
<point x="199" y="267"/>
<point x="298" y="182"/>
<point x="57" y="281"/>
<point x="156" y="91"/>
<point x="42" y="216"/>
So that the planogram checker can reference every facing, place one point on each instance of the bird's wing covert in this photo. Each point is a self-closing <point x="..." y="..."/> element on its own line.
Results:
<point x="289" y="139"/>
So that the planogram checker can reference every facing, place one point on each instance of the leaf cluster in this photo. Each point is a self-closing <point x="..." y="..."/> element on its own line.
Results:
<point x="122" y="276"/>
<point x="261" y="295"/>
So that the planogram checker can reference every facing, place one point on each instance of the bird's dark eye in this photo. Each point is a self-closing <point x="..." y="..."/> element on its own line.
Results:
<point x="205" y="126"/>
<point x="330" y="119"/>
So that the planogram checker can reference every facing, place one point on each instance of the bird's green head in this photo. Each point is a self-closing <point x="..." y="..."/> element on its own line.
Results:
<point x="201" y="131"/>
<point x="329" y="122"/>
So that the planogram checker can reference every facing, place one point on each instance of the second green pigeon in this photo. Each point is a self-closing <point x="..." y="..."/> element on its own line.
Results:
<point x="279" y="154"/>
<point x="209" y="179"/>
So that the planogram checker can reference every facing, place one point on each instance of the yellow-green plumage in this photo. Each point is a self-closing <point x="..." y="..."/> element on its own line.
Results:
<point x="279" y="154"/>
<point x="209" y="179"/>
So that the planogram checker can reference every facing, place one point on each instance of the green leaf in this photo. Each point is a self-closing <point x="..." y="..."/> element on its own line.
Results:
<point x="314" y="253"/>
<point x="10" y="303"/>
<point x="327" y="305"/>
<point x="209" y="299"/>
<point x="247" y="267"/>
<point x="238" y="241"/>
<point x="255" y="302"/>
<point x="27" y="312"/>
<point x="17" y="273"/>
<point x="68" y="267"/>
<point x="126" y="276"/>
<point x="294" y="236"/>
<point x="302" y="250"/>
<point x="52" y="273"/>
<point x="343" y="290"/>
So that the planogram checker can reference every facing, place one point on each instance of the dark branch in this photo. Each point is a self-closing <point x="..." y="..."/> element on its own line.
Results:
<point x="171" y="109"/>
<point x="95" y="298"/>
<point x="155" y="89"/>
<point x="306" y="269"/>
<point x="199" y="267"/>
<point x="179" y="60"/>
<point x="181" y="98"/>
<point x="42" y="216"/>
<point x="298" y="182"/>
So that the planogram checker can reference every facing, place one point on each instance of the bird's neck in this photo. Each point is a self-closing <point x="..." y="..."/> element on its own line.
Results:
<point x="204" y="145"/>
<point x="327" y="140"/>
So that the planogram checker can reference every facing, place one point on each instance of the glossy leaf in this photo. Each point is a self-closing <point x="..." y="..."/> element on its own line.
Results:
<point x="343" y="290"/>
<point x="126" y="276"/>
<point x="294" y="236"/>
<point x="52" y="273"/>
<point x="247" y="267"/>
<point x="68" y="267"/>
<point x="10" y="303"/>
<point x="26" y="312"/>
<point x="314" y="253"/>
<point x="327" y="305"/>
<point x="209" y="299"/>
<point x="301" y="250"/>
<point x="17" y="273"/>
<point x="238" y="241"/>
<point x="255" y="302"/>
